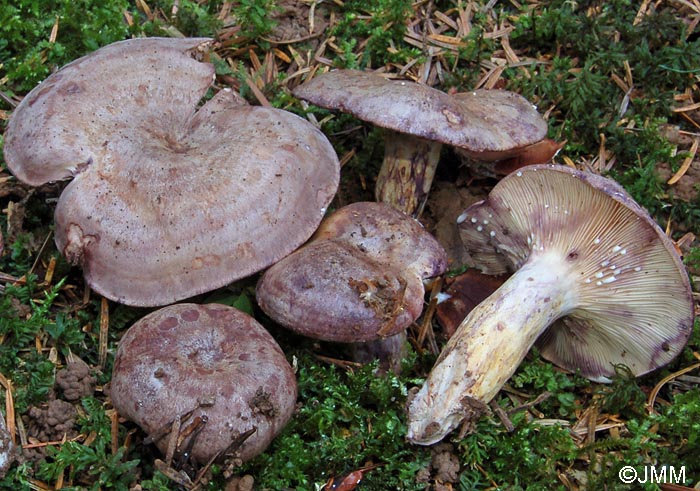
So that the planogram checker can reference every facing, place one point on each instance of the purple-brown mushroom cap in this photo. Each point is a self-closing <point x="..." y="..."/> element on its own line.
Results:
<point x="168" y="200"/>
<point x="212" y="359"/>
<point x="484" y="124"/>
<point x="478" y="121"/>
<point x="387" y="236"/>
<point x="359" y="279"/>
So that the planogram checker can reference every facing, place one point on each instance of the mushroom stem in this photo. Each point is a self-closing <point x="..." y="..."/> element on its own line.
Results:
<point x="388" y="351"/>
<point x="407" y="171"/>
<point x="489" y="345"/>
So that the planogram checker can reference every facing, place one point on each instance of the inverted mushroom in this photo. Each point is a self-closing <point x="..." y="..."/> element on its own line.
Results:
<point x="359" y="279"/>
<point x="168" y="200"/>
<point x="595" y="279"/>
<point x="210" y="362"/>
<point x="486" y="124"/>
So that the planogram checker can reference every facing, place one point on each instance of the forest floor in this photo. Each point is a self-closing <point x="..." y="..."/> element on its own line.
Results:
<point x="618" y="83"/>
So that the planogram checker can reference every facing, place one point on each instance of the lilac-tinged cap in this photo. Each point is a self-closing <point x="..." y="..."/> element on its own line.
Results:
<point x="480" y="121"/>
<point x="210" y="359"/>
<point x="168" y="199"/>
<point x="359" y="279"/>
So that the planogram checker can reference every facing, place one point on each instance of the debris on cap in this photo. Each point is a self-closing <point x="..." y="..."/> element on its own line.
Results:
<point x="210" y="364"/>
<point x="359" y="279"/>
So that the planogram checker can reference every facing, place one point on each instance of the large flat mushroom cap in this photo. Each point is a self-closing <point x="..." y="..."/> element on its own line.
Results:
<point x="480" y="121"/>
<point x="211" y="359"/>
<point x="169" y="201"/>
<point x="632" y="296"/>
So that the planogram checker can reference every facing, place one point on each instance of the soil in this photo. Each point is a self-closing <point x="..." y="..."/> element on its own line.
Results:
<point x="75" y="380"/>
<point x="52" y="421"/>
<point x="297" y="21"/>
<point x="443" y="470"/>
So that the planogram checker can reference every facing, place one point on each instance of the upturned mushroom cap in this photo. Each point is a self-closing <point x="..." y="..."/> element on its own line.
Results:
<point x="480" y="121"/>
<point x="632" y="294"/>
<point x="359" y="279"/>
<point x="212" y="359"/>
<point x="168" y="200"/>
<point x="594" y="278"/>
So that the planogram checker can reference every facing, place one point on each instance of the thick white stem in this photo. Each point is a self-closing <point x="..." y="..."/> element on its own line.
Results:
<point x="489" y="345"/>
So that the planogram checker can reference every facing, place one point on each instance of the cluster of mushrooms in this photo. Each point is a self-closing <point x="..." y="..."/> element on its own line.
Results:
<point x="171" y="197"/>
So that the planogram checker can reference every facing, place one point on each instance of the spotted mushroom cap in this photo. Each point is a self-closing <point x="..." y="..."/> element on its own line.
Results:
<point x="359" y="279"/>
<point x="633" y="297"/>
<point x="480" y="121"/>
<point x="168" y="200"/>
<point x="213" y="360"/>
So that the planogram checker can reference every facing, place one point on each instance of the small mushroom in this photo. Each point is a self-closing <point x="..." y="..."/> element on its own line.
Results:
<point x="596" y="282"/>
<point x="210" y="362"/>
<point x="168" y="200"/>
<point x="486" y="124"/>
<point x="359" y="279"/>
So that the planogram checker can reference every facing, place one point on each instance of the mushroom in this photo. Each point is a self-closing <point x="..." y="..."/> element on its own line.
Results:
<point x="359" y="279"/>
<point x="595" y="281"/>
<point x="8" y="450"/>
<point x="486" y="124"/>
<point x="208" y="363"/>
<point x="167" y="200"/>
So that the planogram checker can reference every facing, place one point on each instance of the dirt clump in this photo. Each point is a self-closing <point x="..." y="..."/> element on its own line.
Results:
<point x="443" y="470"/>
<point x="76" y="380"/>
